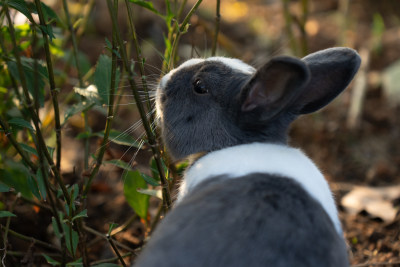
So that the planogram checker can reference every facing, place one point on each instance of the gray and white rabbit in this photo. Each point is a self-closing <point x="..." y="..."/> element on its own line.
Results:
<point x="251" y="200"/>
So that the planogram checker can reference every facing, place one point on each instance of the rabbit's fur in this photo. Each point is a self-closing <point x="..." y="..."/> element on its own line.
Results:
<point x="251" y="200"/>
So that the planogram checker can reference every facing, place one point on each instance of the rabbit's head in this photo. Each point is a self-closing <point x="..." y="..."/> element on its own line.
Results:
<point x="209" y="104"/>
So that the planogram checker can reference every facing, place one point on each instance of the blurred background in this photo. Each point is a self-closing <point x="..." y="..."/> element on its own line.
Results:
<point x="355" y="140"/>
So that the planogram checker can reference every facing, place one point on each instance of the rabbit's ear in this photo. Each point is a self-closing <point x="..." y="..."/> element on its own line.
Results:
<point x="274" y="87"/>
<point x="331" y="71"/>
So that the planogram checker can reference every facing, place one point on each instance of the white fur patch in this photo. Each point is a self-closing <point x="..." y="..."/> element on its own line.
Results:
<point x="233" y="63"/>
<point x="273" y="159"/>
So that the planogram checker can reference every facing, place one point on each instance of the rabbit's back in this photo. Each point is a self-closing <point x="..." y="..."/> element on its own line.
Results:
<point x="255" y="220"/>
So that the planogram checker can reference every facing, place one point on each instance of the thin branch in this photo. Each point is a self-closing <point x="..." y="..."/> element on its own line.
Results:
<point x="110" y="116"/>
<point x="288" y="26"/>
<point x="80" y="80"/>
<point x="140" y="59"/>
<point x="53" y="207"/>
<point x="53" y="89"/>
<point x="149" y="131"/>
<point x="111" y="259"/>
<point x="6" y="230"/>
<point x="181" y="29"/>
<point x="217" y="23"/>
<point x="33" y="240"/>
<point x="114" y="247"/>
<point x="92" y="231"/>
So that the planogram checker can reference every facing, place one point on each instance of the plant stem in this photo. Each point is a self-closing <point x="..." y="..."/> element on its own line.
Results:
<point x="140" y="59"/>
<point x="110" y="240"/>
<point x="110" y="116"/>
<point x="217" y="22"/>
<point x="111" y="259"/>
<point x="33" y="240"/>
<point x="304" y="44"/>
<point x="181" y="29"/>
<point x="92" y="231"/>
<point x="7" y="228"/>
<point x="149" y="131"/>
<point x="53" y="89"/>
<point x="53" y="208"/>
<point x="30" y="106"/>
<point x="289" y="31"/>
<point x="125" y="225"/>
<point x="80" y="80"/>
<point x="74" y="42"/>
<point x="4" y="125"/>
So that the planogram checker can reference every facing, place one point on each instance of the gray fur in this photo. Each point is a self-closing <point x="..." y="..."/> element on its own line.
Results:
<point x="257" y="219"/>
<point x="192" y="123"/>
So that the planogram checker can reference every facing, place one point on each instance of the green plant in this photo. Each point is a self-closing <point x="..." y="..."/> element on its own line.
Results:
<point x="31" y="134"/>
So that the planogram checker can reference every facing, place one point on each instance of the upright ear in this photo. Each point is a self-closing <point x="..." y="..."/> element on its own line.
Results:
<point x="274" y="87"/>
<point x="331" y="72"/>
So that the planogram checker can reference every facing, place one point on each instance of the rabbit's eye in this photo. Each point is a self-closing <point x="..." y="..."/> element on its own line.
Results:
<point x="199" y="87"/>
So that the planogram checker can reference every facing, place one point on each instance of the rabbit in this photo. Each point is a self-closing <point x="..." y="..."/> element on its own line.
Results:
<point x="249" y="199"/>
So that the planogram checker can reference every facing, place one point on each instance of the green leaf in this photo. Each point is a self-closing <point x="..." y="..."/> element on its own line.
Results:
<point x="16" y="177"/>
<point x="31" y="76"/>
<point x="119" y="138"/>
<point x="148" y="5"/>
<point x="112" y="227"/>
<point x="29" y="149"/>
<point x="41" y="183"/>
<point x="22" y="7"/>
<point x="71" y="238"/>
<point x="78" y="262"/>
<point x="34" y="187"/>
<point x="81" y="214"/>
<point x="4" y="213"/>
<point x="21" y="122"/>
<point x="4" y="188"/>
<point x="76" y="192"/>
<point x="150" y="180"/>
<point x="55" y="228"/>
<point x="80" y="107"/>
<point x="151" y="192"/>
<point x="119" y="163"/>
<point x="139" y="202"/>
<point x="102" y="77"/>
<point x="50" y="260"/>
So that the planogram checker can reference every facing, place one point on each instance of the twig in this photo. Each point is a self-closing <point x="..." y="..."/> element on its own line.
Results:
<point x="110" y="240"/>
<point x="302" y="26"/>
<point x="80" y="80"/>
<point x="6" y="230"/>
<point x="31" y="239"/>
<point x="149" y="131"/>
<point x="181" y="29"/>
<point x="217" y="22"/>
<point x="74" y="42"/>
<point x="110" y="116"/>
<point x="140" y="59"/>
<point x="92" y="231"/>
<point x="125" y="225"/>
<point x="288" y="26"/>
<point x="53" y="89"/>
<point x="53" y="208"/>
<point x="111" y="259"/>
